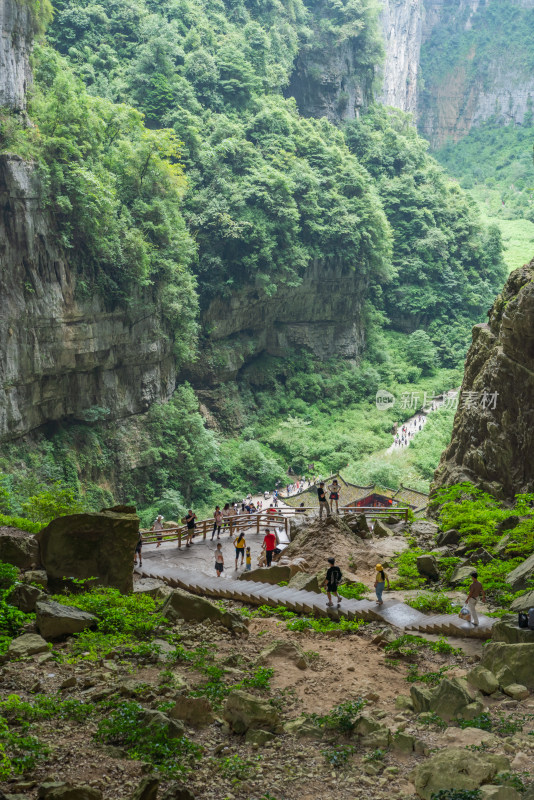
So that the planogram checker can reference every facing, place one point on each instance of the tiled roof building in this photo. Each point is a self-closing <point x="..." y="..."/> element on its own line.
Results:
<point x="351" y="494"/>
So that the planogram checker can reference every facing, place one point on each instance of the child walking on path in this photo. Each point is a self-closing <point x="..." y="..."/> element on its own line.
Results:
<point x="219" y="560"/>
<point x="380" y="581"/>
<point x="248" y="561"/>
<point x="332" y="581"/>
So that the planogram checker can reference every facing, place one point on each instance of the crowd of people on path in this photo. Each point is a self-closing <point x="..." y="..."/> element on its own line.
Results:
<point x="405" y="433"/>
<point x="243" y="556"/>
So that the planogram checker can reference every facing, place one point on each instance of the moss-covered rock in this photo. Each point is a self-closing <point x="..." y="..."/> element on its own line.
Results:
<point x="456" y="769"/>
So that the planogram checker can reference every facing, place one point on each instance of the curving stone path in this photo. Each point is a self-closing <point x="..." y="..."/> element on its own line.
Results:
<point x="399" y="615"/>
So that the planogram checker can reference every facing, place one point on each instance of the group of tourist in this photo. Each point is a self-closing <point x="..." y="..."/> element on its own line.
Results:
<point x="243" y="554"/>
<point x="407" y="431"/>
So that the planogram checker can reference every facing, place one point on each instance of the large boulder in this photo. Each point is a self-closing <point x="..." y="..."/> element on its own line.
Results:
<point x="450" y="698"/>
<point x="422" y="527"/>
<point x="196" y="711"/>
<point x="58" y="790"/>
<point x="19" y="548"/>
<point x="456" y="769"/>
<point x="421" y="697"/>
<point x="284" y="651"/>
<point x="192" y="608"/>
<point x="153" y="587"/>
<point x="29" y="644"/>
<point x="304" y="582"/>
<point x="83" y="546"/>
<point x="507" y="630"/>
<point x="522" y="576"/>
<point x="154" y="720"/>
<point x="482" y="679"/>
<point x="24" y="597"/>
<point x="147" y="789"/>
<point x="461" y="574"/>
<point x="244" y="711"/>
<point x="510" y="663"/>
<point x="523" y="603"/>
<point x="371" y="733"/>
<point x="270" y="575"/>
<point x="55" y="621"/>
<point x="358" y="524"/>
<point x="448" y="538"/>
<point x="382" y="530"/>
<point x="427" y="566"/>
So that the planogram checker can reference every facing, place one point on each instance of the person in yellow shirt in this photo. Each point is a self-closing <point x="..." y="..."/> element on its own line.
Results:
<point x="248" y="560"/>
<point x="380" y="581"/>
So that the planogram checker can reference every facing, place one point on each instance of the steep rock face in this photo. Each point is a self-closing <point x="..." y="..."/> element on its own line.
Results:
<point x="62" y="356"/>
<point x="15" y="47"/>
<point x="475" y="64"/>
<point x="494" y="446"/>
<point x="323" y="315"/>
<point x="402" y="27"/>
<point x="328" y="83"/>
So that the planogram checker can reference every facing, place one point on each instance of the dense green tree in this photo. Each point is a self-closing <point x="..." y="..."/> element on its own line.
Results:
<point x="420" y="351"/>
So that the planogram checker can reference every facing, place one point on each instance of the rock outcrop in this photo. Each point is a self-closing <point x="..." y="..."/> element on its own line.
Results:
<point x="91" y="546"/>
<point x="18" y="548"/>
<point x="402" y="27"/>
<point x="16" y="39"/>
<point x="493" y="435"/>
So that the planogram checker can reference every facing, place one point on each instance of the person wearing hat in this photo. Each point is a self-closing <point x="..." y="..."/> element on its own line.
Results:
<point x="332" y="581"/>
<point x="158" y="527"/>
<point x="380" y="581"/>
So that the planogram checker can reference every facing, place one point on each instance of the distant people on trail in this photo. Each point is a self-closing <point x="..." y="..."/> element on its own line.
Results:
<point x="334" y="494"/>
<point x="217" y="522"/>
<point x="219" y="560"/>
<point x="239" y="544"/>
<point x="323" y="502"/>
<point x="226" y="515"/>
<point x="189" y="520"/>
<point x="158" y="527"/>
<point x="138" y="548"/>
<point x="332" y="581"/>
<point x="475" y="590"/>
<point x="380" y="581"/>
<point x="269" y="544"/>
<point x="248" y="560"/>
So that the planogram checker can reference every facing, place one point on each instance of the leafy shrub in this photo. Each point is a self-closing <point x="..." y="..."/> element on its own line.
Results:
<point x="21" y="523"/>
<point x="353" y="591"/>
<point x="236" y="768"/>
<point x="45" y="707"/>
<point x="124" y="727"/>
<point x="11" y="619"/>
<point x="457" y="794"/>
<point x="430" y="601"/>
<point x="431" y="677"/>
<point x="341" y="718"/>
<point x="338" y="756"/>
<point x="19" y="753"/>
<point x="117" y="613"/>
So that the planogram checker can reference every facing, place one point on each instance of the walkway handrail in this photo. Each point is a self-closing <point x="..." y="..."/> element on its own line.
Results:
<point x="260" y="520"/>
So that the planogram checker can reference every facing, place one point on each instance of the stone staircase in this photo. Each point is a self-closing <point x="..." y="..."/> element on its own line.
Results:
<point x="392" y="612"/>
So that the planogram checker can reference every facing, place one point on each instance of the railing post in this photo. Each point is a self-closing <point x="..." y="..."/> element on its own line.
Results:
<point x="180" y="537"/>
<point x="257" y="523"/>
<point x="204" y="523"/>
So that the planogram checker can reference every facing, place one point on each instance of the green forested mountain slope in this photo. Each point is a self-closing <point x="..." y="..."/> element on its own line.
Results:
<point x="223" y="183"/>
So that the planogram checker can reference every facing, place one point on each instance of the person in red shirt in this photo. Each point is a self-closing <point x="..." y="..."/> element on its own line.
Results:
<point x="269" y="543"/>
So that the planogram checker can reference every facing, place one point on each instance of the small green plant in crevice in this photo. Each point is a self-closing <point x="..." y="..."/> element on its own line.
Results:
<point x="409" y="645"/>
<point x="339" y="755"/>
<point x="511" y="779"/>
<point x="236" y="768"/>
<point x="431" y="718"/>
<point x="19" y="752"/>
<point x="375" y="755"/>
<point x="11" y="619"/>
<point x="341" y="718"/>
<point x="45" y="707"/>
<point x="125" y="727"/>
<point x="324" y="625"/>
<point x="456" y="794"/>
<point x="353" y="591"/>
<point x="504" y="726"/>
<point x="431" y="677"/>
<point x="432" y="601"/>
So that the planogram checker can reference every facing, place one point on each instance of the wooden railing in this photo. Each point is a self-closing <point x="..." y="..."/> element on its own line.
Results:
<point x="259" y="521"/>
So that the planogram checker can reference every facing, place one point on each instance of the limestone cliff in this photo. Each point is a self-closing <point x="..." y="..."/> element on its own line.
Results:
<point x="323" y="315"/>
<point x="493" y="440"/>
<point x="16" y="37"/>
<point x="402" y="28"/>
<point x="62" y="355"/>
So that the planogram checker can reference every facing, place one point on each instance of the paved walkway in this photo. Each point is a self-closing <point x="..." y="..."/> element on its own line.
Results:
<point x="392" y="612"/>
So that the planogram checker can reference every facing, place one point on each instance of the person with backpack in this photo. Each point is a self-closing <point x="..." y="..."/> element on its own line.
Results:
<point x="323" y="502"/>
<point x="475" y="591"/>
<point x="380" y="581"/>
<point x="190" y="522"/>
<point x="332" y="581"/>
